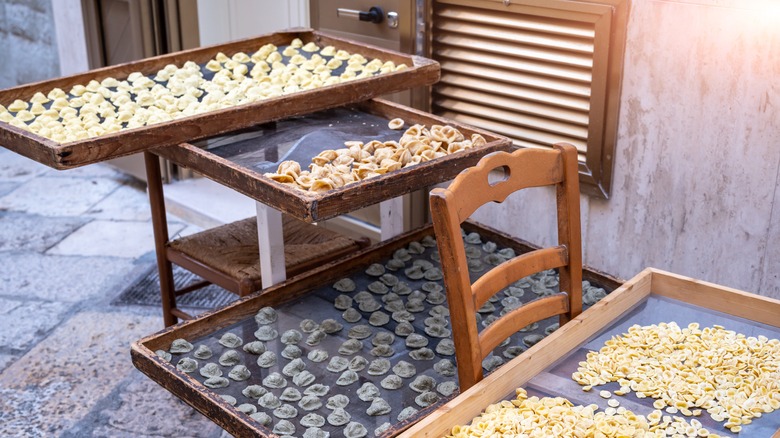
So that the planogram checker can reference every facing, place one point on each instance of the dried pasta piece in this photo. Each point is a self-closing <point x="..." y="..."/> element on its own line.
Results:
<point x="187" y="365"/>
<point x="339" y="417"/>
<point x="229" y="399"/>
<point x="216" y="382"/>
<point x="351" y="315"/>
<point x="304" y="378"/>
<point x="229" y="358"/>
<point x="203" y="352"/>
<point x="254" y="391"/>
<point x="383" y="338"/>
<point x="395" y="264"/>
<point x="266" y="333"/>
<point x="308" y="326"/>
<point x="337" y="401"/>
<point x="355" y="430"/>
<point x="427" y="398"/>
<point x="316" y="337"/>
<point x="423" y="383"/>
<point x="345" y="285"/>
<point x="337" y="364"/>
<point x="239" y="373"/>
<point x="211" y="370"/>
<point x="358" y="363"/>
<point x="392" y="382"/>
<point x="247" y="408"/>
<point x="379" y="318"/>
<point x="274" y="380"/>
<point x="317" y="355"/>
<point x="404" y="329"/>
<point x="312" y="419"/>
<point x="230" y="340"/>
<point x="375" y="270"/>
<point x="445" y="367"/>
<point x="266" y="315"/>
<point x="284" y="427"/>
<point x="310" y="403"/>
<point x="291" y="352"/>
<point x="377" y="367"/>
<point x="331" y="326"/>
<point x="532" y="339"/>
<point x="269" y="401"/>
<point x="294" y="367"/>
<point x="378" y="407"/>
<point x="368" y="391"/>
<point x="438" y="331"/>
<point x="378" y="287"/>
<point x="291" y="336"/>
<point x="415" y="340"/>
<point x="370" y="305"/>
<point x="342" y="302"/>
<point x="422" y="354"/>
<point x="348" y="377"/>
<point x="396" y="123"/>
<point x="285" y="411"/>
<point x="360" y="332"/>
<point x="447" y="388"/>
<point x="492" y="362"/>
<point x="180" y="346"/>
<point x="262" y="418"/>
<point x="267" y="359"/>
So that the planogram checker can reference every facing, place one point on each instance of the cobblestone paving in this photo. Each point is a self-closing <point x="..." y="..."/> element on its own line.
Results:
<point x="65" y="366"/>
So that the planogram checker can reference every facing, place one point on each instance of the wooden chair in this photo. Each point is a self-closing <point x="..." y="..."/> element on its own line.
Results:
<point x="477" y="186"/>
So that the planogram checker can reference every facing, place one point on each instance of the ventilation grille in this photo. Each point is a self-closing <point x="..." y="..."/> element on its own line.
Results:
<point x="528" y="77"/>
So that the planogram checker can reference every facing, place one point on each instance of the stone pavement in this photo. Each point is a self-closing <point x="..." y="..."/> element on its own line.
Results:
<point x="70" y="242"/>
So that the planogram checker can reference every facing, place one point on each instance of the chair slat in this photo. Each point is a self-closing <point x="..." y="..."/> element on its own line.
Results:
<point x="514" y="269"/>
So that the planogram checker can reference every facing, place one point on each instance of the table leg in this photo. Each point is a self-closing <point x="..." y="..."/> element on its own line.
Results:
<point x="271" y="245"/>
<point x="391" y="214"/>
<point x="160" y="228"/>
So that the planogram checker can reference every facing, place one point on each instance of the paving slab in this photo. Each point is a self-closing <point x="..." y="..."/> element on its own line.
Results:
<point x="129" y="202"/>
<point x="54" y="196"/>
<point x="142" y="408"/>
<point x="62" y="278"/>
<point x="6" y="360"/>
<point x="110" y="238"/>
<point x="7" y="187"/>
<point x="14" y="167"/>
<point x="56" y="384"/>
<point x="31" y="232"/>
<point x="98" y="170"/>
<point x="19" y="331"/>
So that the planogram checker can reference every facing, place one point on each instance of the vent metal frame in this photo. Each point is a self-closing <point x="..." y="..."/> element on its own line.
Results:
<point x="597" y="122"/>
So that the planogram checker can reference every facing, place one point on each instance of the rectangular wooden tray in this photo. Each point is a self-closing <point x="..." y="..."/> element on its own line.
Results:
<point x="211" y="325"/>
<point x="421" y="72"/>
<point x="312" y="207"/>
<point x="653" y="296"/>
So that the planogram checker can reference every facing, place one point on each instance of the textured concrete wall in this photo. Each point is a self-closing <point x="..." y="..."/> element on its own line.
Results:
<point x="697" y="180"/>
<point x="28" y="47"/>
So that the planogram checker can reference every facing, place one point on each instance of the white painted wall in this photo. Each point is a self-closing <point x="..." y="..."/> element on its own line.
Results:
<point x="222" y="21"/>
<point x="697" y="175"/>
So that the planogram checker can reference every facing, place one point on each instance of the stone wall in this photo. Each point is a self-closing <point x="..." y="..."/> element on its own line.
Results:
<point x="28" y="46"/>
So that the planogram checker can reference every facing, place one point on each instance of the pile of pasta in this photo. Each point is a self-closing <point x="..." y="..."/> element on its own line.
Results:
<point x="358" y="161"/>
<point x="558" y="417"/>
<point x="113" y="105"/>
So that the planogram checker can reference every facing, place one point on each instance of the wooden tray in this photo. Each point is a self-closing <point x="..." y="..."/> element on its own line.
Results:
<point x="652" y="296"/>
<point x="212" y="325"/>
<point x="421" y="72"/>
<point x="312" y="207"/>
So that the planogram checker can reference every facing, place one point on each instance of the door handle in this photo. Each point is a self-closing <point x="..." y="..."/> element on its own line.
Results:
<point x="374" y="15"/>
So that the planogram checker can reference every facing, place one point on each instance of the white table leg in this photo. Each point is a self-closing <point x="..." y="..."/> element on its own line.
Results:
<point x="271" y="245"/>
<point x="391" y="214"/>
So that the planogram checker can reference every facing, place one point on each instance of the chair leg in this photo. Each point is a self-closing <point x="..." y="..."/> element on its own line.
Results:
<point x="160" y="227"/>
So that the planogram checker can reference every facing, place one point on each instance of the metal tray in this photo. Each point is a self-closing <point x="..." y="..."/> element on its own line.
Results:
<point x="420" y="72"/>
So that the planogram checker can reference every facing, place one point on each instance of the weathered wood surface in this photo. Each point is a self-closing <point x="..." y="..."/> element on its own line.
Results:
<point x="213" y="406"/>
<point x="473" y="188"/>
<point x="313" y="207"/>
<point x="421" y="72"/>
<point x="501" y="384"/>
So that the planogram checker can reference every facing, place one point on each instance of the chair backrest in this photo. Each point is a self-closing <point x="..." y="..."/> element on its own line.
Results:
<point x="450" y="207"/>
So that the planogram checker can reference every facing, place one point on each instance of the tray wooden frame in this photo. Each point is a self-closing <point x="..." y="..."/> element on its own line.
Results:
<point x="421" y="72"/>
<point x="501" y="384"/>
<point x="214" y="407"/>
<point x="313" y="207"/>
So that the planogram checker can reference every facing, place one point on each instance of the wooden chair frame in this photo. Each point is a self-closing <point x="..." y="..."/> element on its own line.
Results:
<point x="450" y="207"/>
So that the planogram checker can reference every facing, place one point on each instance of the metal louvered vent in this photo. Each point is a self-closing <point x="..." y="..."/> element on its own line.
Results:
<point x="537" y="72"/>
